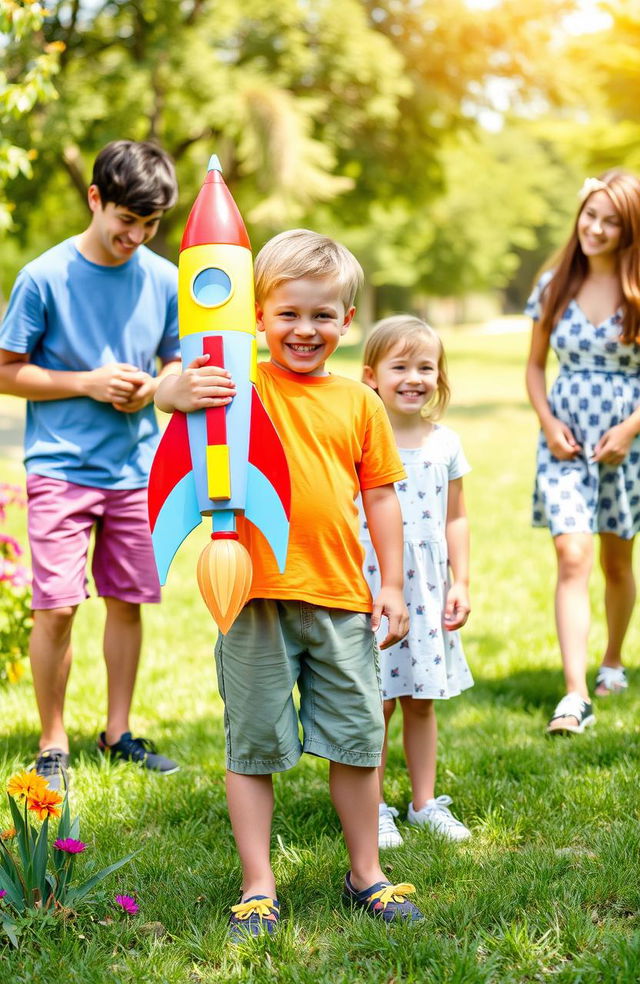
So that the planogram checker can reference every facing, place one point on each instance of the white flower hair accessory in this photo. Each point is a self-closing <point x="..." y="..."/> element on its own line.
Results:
<point x="590" y="185"/>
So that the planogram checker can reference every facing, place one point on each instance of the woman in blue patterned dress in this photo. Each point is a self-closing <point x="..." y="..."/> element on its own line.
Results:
<point x="587" y="309"/>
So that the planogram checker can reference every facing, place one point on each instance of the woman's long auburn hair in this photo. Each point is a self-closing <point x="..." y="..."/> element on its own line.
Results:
<point x="571" y="266"/>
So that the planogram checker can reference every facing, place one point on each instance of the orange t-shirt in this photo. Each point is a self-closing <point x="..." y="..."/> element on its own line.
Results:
<point x="338" y="440"/>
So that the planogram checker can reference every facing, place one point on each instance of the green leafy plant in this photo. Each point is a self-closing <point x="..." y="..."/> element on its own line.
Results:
<point x="15" y="595"/>
<point x="36" y="876"/>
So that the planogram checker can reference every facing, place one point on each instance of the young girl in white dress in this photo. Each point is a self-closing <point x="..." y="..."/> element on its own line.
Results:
<point x="405" y="362"/>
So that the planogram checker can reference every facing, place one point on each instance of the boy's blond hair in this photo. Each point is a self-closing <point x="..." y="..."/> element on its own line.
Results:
<point x="411" y="333"/>
<point x="300" y="253"/>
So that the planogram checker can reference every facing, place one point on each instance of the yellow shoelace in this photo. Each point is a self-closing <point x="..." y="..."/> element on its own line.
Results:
<point x="265" y="908"/>
<point x="393" y="893"/>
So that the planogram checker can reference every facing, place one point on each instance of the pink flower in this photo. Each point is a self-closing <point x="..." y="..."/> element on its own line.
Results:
<point x="7" y="569"/>
<point x="128" y="904"/>
<point x="69" y="845"/>
<point x="12" y="493"/>
<point x="9" y="547"/>
<point x="14" y="574"/>
<point x="3" y="892"/>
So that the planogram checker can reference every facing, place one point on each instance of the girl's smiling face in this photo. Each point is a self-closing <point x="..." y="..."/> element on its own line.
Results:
<point x="599" y="226"/>
<point x="406" y="378"/>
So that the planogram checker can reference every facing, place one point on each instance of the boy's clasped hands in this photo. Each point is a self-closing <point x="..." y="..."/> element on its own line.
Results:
<point x="125" y="387"/>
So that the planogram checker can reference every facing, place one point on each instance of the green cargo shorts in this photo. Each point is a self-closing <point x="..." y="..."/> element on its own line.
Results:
<point x="331" y="654"/>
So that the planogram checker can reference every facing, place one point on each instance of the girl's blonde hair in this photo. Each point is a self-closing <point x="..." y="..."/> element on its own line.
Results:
<point x="412" y="332"/>
<point x="571" y="266"/>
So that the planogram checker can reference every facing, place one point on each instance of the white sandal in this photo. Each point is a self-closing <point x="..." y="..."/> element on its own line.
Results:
<point x="613" y="679"/>
<point x="571" y="706"/>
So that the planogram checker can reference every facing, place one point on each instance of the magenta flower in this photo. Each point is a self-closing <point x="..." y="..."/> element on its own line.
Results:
<point x="3" y="892"/>
<point x="69" y="845"/>
<point x="128" y="904"/>
<point x="9" y="548"/>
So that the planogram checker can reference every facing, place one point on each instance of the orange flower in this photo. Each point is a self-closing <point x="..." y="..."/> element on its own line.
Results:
<point x="45" y="803"/>
<point x="6" y="835"/>
<point x="26" y="784"/>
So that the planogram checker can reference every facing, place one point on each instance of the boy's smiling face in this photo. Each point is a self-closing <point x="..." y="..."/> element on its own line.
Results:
<point x="303" y="321"/>
<point x="115" y="232"/>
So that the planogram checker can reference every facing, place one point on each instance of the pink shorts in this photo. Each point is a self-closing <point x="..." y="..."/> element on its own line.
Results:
<point x="61" y="517"/>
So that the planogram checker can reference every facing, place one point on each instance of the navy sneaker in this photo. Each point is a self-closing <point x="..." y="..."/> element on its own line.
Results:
<point x="383" y="900"/>
<point x="257" y="914"/>
<point x="52" y="765"/>
<point x="139" y="750"/>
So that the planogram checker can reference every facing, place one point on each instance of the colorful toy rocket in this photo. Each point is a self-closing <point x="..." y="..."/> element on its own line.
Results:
<point x="223" y="461"/>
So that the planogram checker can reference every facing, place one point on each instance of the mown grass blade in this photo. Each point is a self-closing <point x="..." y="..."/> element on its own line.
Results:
<point x="74" y="895"/>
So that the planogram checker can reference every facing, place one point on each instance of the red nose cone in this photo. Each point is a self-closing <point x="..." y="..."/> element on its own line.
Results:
<point x="214" y="217"/>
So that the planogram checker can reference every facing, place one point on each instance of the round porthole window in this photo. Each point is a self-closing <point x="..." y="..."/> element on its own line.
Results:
<point x="211" y="287"/>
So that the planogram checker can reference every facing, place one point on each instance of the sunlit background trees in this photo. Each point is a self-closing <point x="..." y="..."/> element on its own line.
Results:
<point x="443" y="140"/>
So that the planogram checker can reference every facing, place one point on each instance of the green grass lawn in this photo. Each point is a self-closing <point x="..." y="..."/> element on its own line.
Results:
<point x="547" y="889"/>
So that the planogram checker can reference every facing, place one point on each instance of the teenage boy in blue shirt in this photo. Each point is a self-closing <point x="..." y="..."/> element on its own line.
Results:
<point x="87" y="324"/>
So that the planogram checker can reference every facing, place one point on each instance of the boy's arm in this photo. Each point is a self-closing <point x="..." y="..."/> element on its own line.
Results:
<point x="384" y="522"/>
<point x="113" y="383"/>
<point x="198" y="387"/>
<point x="457" y="607"/>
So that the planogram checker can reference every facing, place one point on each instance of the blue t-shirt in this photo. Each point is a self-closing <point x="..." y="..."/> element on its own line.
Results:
<point x="71" y="314"/>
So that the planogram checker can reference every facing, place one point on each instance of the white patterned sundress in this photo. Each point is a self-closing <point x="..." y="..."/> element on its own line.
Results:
<point x="429" y="662"/>
<point x="598" y="386"/>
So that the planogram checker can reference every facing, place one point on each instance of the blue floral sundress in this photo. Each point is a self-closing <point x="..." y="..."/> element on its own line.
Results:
<point x="429" y="662"/>
<point x="597" y="387"/>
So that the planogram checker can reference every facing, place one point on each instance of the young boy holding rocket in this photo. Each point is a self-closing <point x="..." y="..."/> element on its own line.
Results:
<point x="314" y="623"/>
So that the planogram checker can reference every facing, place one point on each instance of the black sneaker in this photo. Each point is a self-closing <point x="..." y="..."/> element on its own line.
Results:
<point x="52" y="765"/>
<point x="139" y="750"/>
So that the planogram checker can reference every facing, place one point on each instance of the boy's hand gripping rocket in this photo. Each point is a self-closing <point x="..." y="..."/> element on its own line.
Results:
<point x="222" y="461"/>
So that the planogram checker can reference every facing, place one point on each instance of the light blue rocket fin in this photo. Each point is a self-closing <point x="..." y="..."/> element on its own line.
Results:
<point x="265" y="510"/>
<point x="177" y="517"/>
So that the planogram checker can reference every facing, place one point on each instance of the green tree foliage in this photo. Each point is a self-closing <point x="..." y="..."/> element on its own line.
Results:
<point x="442" y="220"/>
<point x="27" y="67"/>
<point x="273" y="89"/>
<point x="613" y="135"/>
<point x="509" y="194"/>
<point x="361" y="117"/>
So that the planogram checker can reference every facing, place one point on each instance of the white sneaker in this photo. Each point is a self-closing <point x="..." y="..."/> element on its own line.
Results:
<point x="388" y="833"/>
<point x="437" y="815"/>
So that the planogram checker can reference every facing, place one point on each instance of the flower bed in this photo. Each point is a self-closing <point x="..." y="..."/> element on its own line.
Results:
<point x="36" y="877"/>
<point x="15" y="594"/>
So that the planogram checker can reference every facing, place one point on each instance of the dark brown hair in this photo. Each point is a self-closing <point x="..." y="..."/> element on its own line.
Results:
<point x="136" y="175"/>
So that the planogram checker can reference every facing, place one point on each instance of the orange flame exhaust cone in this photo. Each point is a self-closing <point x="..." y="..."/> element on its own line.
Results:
<point x="224" y="578"/>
